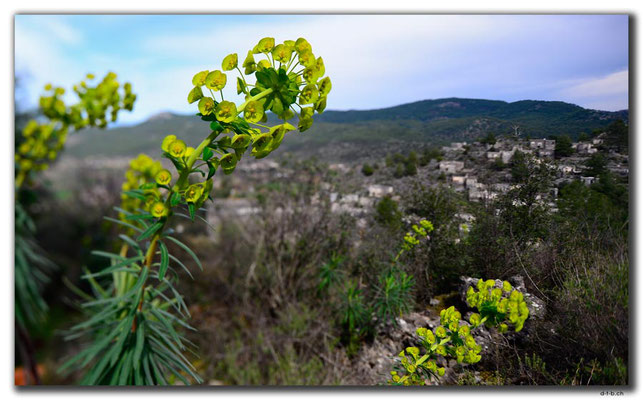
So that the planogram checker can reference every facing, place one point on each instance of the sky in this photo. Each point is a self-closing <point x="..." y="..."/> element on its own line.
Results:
<point x="374" y="61"/>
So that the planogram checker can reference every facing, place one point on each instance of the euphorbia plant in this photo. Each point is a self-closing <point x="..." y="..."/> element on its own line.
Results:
<point x="38" y="144"/>
<point x="499" y="307"/>
<point x="135" y="314"/>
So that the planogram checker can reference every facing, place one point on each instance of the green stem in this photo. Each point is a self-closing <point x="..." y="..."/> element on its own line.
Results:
<point x="192" y="159"/>
<point x="261" y="125"/>
<point x="253" y="98"/>
<point x="293" y="67"/>
<point x="243" y="78"/>
<point x="151" y="251"/>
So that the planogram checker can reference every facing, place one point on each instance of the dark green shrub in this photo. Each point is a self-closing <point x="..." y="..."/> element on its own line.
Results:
<point x="387" y="213"/>
<point x="410" y="168"/>
<point x="367" y="170"/>
<point x="596" y="165"/>
<point x="399" y="171"/>
<point x="498" y="165"/>
<point x="563" y="146"/>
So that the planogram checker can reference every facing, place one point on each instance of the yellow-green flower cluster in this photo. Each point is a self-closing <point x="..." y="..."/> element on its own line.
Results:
<point x="416" y="368"/>
<point x="142" y="170"/>
<point x="287" y="79"/>
<point x="497" y="305"/>
<point x="451" y="339"/>
<point x="411" y="238"/>
<point x="97" y="102"/>
<point x="462" y="345"/>
<point x="176" y="148"/>
<point x="266" y="143"/>
<point x="40" y="143"/>
<point x="278" y="85"/>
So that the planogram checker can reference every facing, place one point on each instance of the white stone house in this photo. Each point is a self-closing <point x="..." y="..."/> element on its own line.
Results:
<point x="451" y="167"/>
<point x="545" y="153"/>
<point x="507" y="155"/>
<point x="587" y="180"/>
<point x="585" y="148"/>
<point x="379" y="190"/>
<point x="458" y="179"/>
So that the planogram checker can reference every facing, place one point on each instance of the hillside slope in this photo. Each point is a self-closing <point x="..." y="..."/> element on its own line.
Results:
<point x="423" y="122"/>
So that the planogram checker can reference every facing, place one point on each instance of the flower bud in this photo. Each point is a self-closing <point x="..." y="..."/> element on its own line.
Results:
<point x="163" y="177"/>
<point x="230" y="62"/>
<point x="159" y="210"/>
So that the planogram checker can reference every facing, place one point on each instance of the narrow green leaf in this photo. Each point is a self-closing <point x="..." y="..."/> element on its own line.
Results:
<point x="140" y="342"/>
<point x="126" y="369"/>
<point x="207" y="154"/>
<point x="97" y="372"/>
<point x="98" y="346"/>
<point x="100" y="317"/>
<point x="175" y="199"/>
<point x="191" y="210"/>
<point x="176" y="260"/>
<point x="149" y="231"/>
<point x="216" y="126"/>
<point x="125" y="224"/>
<point x="187" y="249"/>
<point x="138" y="377"/>
<point x="115" y="267"/>
<point x="135" y="217"/>
<point x="211" y="170"/>
<point x="130" y="242"/>
<point x="139" y="283"/>
<point x="137" y="194"/>
<point x="165" y="261"/>
<point x="169" y="328"/>
<point x="98" y="289"/>
<point x="170" y="361"/>
<point x="107" y="254"/>
<point x="146" y="367"/>
<point x="157" y="371"/>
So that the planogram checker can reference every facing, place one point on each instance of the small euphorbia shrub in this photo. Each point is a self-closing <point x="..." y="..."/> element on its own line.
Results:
<point x="453" y="338"/>
<point x="497" y="306"/>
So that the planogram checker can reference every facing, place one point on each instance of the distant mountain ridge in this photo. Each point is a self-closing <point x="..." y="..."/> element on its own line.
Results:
<point x="454" y="107"/>
<point x="423" y="122"/>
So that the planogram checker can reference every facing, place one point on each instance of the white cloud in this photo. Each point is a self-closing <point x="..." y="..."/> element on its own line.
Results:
<point x="38" y="60"/>
<point x="615" y="83"/>
<point x="608" y="92"/>
<point x="62" y="31"/>
<point x="365" y="56"/>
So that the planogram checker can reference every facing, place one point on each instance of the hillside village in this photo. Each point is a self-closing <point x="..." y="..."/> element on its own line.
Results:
<point x="479" y="171"/>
